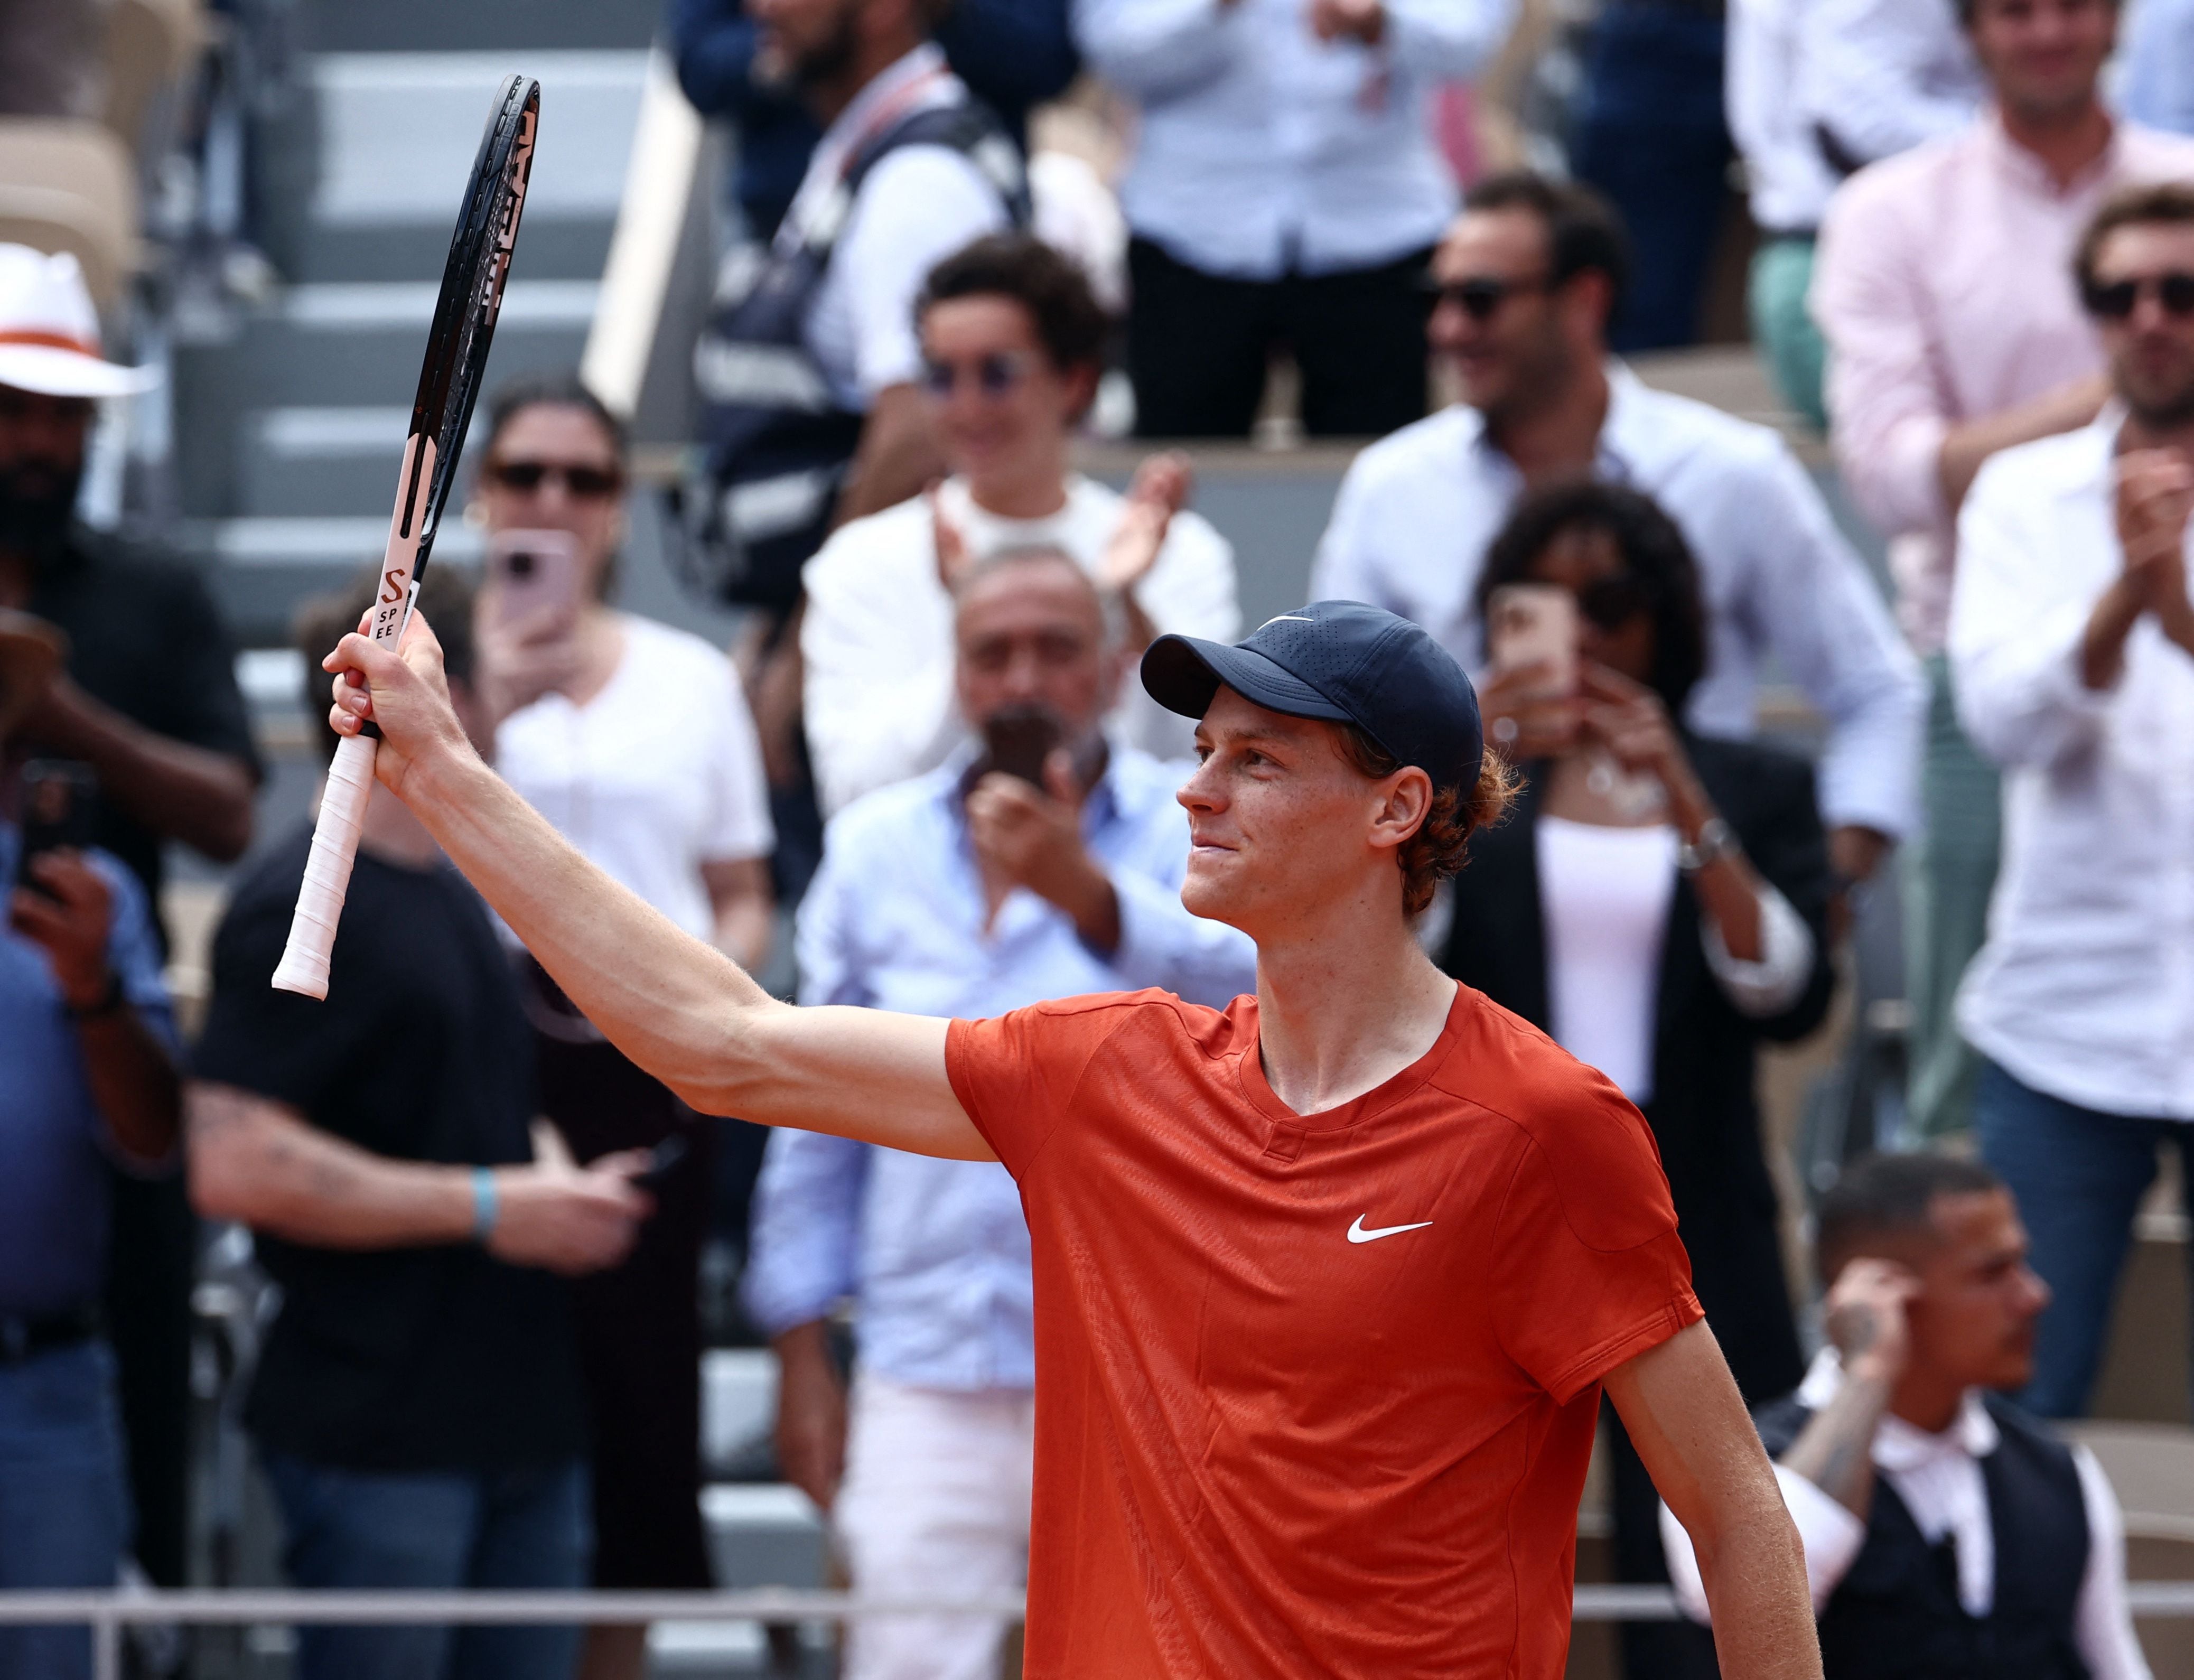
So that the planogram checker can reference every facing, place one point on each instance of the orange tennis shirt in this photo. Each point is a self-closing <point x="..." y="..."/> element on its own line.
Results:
<point x="1314" y="1395"/>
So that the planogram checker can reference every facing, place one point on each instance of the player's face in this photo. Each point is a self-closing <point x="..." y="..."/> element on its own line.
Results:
<point x="1972" y="1321"/>
<point x="553" y="468"/>
<point x="1002" y="409"/>
<point x="2043" y="57"/>
<point x="1031" y="633"/>
<point x="1497" y="324"/>
<point x="1282" y="828"/>
<point x="2151" y="350"/>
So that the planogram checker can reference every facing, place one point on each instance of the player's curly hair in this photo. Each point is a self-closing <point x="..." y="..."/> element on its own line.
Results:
<point x="1439" y="848"/>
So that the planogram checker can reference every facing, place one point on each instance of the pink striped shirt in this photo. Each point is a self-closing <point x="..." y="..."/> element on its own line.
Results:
<point x="1944" y="284"/>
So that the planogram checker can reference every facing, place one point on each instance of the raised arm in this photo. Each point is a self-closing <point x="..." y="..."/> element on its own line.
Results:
<point x="1690" y="1426"/>
<point x="678" y="1007"/>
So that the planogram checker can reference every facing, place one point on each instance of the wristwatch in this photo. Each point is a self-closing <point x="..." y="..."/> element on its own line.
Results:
<point x="1716" y="840"/>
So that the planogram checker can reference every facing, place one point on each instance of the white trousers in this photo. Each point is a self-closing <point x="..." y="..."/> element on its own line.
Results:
<point x="935" y="1505"/>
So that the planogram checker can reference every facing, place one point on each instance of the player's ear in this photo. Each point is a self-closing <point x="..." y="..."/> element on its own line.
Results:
<point x="1406" y="801"/>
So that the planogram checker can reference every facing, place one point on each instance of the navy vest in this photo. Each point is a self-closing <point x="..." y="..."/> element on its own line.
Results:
<point x="1896" y="1615"/>
<point x="778" y="442"/>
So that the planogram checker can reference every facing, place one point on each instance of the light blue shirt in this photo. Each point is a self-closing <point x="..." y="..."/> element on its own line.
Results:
<point x="935" y="1252"/>
<point x="53" y="1177"/>
<point x="1261" y="149"/>
<point x="2158" y="61"/>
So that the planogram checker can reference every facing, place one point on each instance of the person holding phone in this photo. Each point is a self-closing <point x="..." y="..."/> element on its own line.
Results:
<point x="1079" y="850"/>
<point x="1658" y="905"/>
<point x="88" y="1076"/>
<point x="635" y="741"/>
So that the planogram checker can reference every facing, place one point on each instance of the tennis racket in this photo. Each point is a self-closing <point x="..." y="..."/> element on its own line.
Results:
<point x="457" y="352"/>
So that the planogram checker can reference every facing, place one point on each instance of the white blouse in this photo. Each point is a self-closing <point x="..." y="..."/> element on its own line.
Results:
<point x="656" y="775"/>
<point x="1604" y="897"/>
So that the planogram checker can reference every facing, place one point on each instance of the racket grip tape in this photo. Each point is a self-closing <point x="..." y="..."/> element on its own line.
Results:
<point x="304" y="966"/>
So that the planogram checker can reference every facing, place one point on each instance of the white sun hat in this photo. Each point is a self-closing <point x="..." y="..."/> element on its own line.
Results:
<point x="49" y="331"/>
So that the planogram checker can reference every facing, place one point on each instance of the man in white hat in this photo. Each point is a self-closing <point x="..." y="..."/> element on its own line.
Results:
<point x="88" y="1049"/>
<point x="148" y="697"/>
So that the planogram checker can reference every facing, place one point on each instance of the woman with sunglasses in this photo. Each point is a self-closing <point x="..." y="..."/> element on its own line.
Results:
<point x="1658" y="905"/>
<point x="635" y="741"/>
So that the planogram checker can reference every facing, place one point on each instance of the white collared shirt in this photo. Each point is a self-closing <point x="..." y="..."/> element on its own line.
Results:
<point x="917" y="206"/>
<point x="1262" y="149"/>
<point x="1786" y="178"/>
<point x="1415" y="512"/>
<point x="1939" y="1477"/>
<point x="2085" y="989"/>
<point x="1882" y="76"/>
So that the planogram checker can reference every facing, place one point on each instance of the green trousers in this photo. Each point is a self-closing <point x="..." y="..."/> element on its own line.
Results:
<point x="1949" y="872"/>
<point x="1782" y="270"/>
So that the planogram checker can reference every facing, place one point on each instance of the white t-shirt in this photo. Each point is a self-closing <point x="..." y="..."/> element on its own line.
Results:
<point x="917" y="206"/>
<point x="1603" y="896"/>
<point x="656" y="775"/>
<point x="876" y="638"/>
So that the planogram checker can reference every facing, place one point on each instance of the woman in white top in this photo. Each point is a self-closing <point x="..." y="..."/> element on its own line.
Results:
<point x="635" y="741"/>
<point x="1658" y="905"/>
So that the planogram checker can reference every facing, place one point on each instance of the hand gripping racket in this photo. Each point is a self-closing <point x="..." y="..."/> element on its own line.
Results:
<point x="457" y="351"/>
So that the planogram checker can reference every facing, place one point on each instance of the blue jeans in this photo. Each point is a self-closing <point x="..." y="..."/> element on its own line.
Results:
<point x="2079" y="1176"/>
<point x="1649" y="134"/>
<point x="433" y="1531"/>
<point x="64" y="1510"/>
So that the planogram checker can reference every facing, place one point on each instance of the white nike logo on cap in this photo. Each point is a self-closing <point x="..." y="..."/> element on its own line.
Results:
<point x="1288" y="618"/>
<point x="1357" y="1234"/>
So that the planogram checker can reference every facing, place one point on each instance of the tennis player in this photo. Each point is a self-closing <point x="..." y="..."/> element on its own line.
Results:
<point x="1328" y="1284"/>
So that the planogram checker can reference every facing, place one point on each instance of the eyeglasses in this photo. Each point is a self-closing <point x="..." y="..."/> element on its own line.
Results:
<point x="2117" y="301"/>
<point x="581" y="483"/>
<point x="994" y="374"/>
<point x="1481" y="296"/>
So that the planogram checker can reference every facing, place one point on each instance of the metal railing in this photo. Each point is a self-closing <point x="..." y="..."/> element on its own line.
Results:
<point x="106" y="1613"/>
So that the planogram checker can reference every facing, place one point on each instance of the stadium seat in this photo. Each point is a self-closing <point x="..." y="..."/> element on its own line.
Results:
<point x="2152" y="1467"/>
<point x="69" y="185"/>
<point x="150" y="43"/>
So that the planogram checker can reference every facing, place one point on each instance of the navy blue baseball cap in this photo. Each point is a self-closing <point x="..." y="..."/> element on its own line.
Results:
<point x="1344" y="662"/>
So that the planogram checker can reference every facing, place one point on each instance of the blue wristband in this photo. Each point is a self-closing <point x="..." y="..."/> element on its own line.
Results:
<point x="483" y="1203"/>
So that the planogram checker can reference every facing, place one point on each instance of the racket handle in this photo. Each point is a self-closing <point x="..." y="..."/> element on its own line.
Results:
<point x="304" y="964"/>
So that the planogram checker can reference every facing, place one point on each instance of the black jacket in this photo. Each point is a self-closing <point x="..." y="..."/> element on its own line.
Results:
<point x="1703" y="1111"/>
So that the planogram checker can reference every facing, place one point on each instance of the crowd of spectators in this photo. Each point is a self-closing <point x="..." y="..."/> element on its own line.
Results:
<point x="1975" y="272"/>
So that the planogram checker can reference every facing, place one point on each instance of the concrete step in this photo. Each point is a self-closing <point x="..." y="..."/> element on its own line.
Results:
<point x="347" y="346"/>
<point x="398" y="132"/>
<point x="426" y="25"/>
<point x="320" y="461"/>
<point x="262" y="570"/>
<point x="767" y="1534"/>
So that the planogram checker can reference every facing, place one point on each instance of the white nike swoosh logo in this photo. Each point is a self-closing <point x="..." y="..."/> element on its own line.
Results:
<point x="1357" y="1234"/>
<point x="1288" y="618"/>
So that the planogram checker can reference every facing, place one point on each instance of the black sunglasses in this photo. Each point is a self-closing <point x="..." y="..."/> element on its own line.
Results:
<point x="1609" y="603"/>
<point x="1481" y="296"/>
<point x="581" y="484"/>
<point x="2117" y="301"/>
<point x="994" y="374"/>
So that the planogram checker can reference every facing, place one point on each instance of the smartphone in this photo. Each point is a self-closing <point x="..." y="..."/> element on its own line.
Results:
<point x="1019" y="738"/>
<point x="1529" y="624"/>
<point x="531" y="572"/>
<point x="59" y="797"/>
